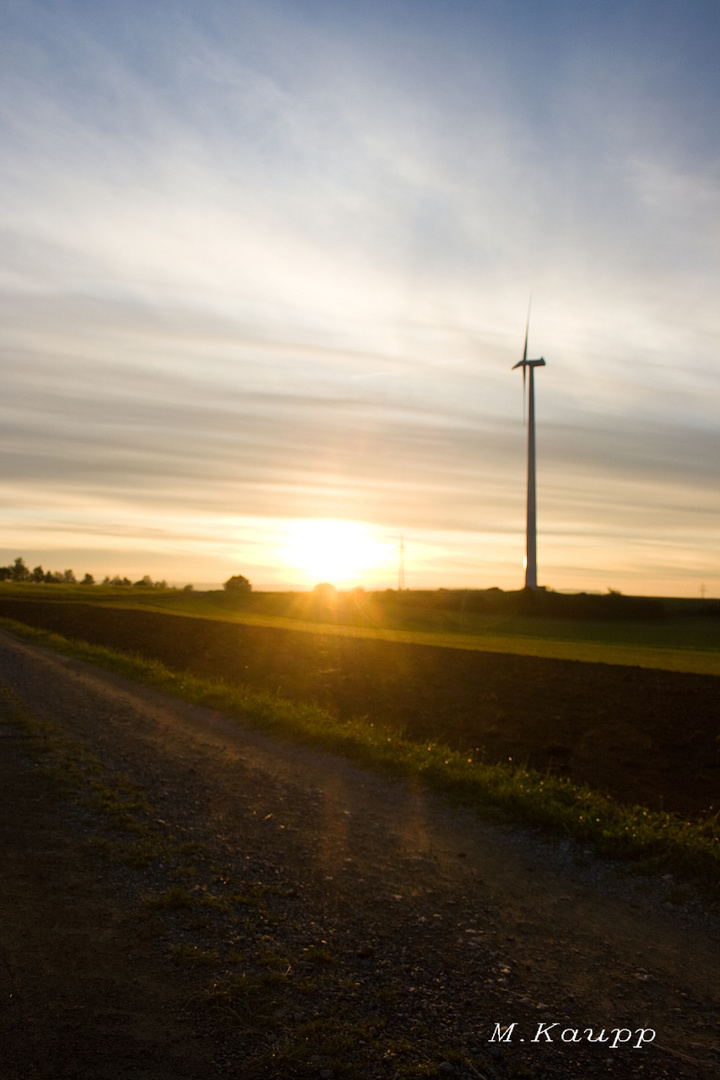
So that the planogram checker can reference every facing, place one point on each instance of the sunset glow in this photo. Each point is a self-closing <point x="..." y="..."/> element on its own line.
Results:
<point x="342" y="553"/>
<point x="269" y="261"/>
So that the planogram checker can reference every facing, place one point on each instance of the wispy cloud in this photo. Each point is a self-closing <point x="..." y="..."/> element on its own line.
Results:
<point x="273" y="261"/>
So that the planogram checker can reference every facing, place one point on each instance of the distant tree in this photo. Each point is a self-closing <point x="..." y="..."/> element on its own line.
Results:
<point x="88" y="580"/>
<point x="188" y="588"/>
<point x="325" y="591"/>
<point x="145" y="582"/>
<point x="53" y="577"/>
<point x="19" y="571"/>
<point x="324" y="600"/>
<point x="5" y="573"/>
<point x="69" y="578"/>
<point x="238" y="583"/>
<point x="38" y="574"/>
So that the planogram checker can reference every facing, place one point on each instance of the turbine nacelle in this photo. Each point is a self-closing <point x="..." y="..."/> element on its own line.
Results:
<point x="525" y="363"/>
<point x="529" y="363"/>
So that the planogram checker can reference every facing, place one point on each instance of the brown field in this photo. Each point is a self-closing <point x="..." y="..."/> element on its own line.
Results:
<point x="643" y="736"/>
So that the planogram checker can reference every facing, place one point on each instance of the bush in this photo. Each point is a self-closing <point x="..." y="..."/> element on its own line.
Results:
<point x="236" y="584"/>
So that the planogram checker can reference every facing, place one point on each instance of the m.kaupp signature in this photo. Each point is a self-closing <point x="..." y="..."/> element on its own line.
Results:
<point x="552" y="1032"/>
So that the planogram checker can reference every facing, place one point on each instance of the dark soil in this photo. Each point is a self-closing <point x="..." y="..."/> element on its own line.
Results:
<point x="643" y="736"/>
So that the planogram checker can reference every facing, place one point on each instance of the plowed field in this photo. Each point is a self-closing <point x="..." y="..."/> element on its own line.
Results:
<point x="643" y="736"/>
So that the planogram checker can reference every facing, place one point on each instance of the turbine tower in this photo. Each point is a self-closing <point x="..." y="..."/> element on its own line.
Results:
<point x="531" y="542"/>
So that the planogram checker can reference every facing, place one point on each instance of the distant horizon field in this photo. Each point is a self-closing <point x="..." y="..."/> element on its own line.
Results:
<point x="678" y="639"/>
<point x="290" y="587"/>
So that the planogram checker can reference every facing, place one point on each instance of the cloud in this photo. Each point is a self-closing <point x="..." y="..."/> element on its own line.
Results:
<point x="276" y="258"/>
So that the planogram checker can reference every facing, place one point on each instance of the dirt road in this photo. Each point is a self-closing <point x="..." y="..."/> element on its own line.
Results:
<point x="643" y="736"/>
<point x="182" y="896"/>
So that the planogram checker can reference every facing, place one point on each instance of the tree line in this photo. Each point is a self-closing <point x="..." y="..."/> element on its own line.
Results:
<point x="19" y="571"/>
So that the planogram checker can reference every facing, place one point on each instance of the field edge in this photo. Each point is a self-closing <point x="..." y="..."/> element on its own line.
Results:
<point x="647" y="841"/>
<point x="554" y="639"/>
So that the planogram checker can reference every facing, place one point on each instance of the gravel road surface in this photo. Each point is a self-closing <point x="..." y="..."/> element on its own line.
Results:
<point x="183" y="896"/>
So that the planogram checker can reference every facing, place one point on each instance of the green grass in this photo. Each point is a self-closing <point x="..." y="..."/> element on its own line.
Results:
<point x="651" y="841"/>
<point x="679" y="641"/>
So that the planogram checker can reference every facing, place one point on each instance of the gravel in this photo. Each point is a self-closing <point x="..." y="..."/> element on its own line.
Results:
<point x="391" y="932"/>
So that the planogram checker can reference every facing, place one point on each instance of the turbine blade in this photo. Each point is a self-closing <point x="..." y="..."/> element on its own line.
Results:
<point x="527" y="329"/>
<point x="524" y="394"/>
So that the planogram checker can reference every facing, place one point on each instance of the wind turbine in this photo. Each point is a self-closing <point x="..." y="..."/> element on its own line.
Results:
<point x="531" y="542"/>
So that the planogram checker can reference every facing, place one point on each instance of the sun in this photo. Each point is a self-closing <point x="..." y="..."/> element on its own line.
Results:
<point x="339" y="552"/>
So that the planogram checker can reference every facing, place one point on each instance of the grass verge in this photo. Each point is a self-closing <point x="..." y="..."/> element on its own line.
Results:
<point x="652" y="841"/>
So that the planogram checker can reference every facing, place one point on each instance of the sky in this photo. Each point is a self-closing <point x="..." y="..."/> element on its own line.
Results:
<point x="265" y="268"/>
